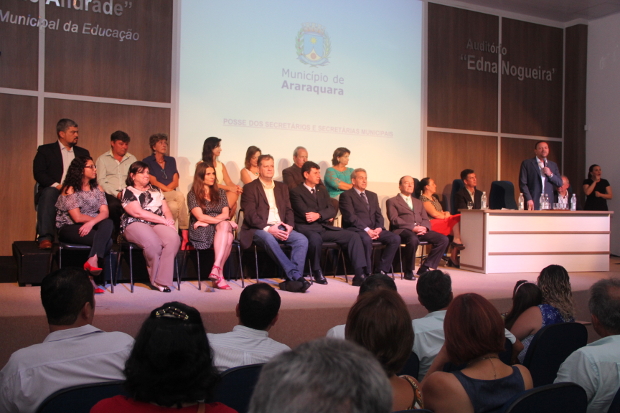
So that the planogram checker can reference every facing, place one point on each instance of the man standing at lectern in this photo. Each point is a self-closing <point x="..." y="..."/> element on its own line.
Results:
<point x="539" y="175"/>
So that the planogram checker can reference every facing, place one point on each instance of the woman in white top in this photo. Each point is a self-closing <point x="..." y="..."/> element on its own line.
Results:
<point x="210" y="152"/>
<point x="250" y="172"/>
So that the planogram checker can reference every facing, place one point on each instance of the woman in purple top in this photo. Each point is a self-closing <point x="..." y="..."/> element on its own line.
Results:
<point x="82" y="214"/>
<point x="557" y="306"/>
<point x="165" y="176"/>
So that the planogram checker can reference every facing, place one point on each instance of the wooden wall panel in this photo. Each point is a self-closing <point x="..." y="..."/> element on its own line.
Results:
<point x="514" y="151"/>
<point x="532" y="106"/>
<point x="460" y="98"/>
<point x="18" y="117"/>
<point x="19" y="45"/>
<point x="449" y="153"/>
<point x="575" y="106"/>
<point x="97" y="121"/>
<point x="84" y="64"/>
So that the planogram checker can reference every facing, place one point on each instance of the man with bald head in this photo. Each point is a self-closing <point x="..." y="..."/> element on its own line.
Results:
<point x="409" y="220"/>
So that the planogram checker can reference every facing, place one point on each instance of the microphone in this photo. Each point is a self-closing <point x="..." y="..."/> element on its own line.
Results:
<point x="546" y="163"/>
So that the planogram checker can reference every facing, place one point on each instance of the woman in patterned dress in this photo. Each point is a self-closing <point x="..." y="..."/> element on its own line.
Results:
<point x="148" y="222"/>
<point x="210" y="223"/>
<point x="82" y="214"/>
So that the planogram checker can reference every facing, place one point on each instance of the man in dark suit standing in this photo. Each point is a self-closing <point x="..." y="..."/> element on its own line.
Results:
<point x="469" y="193"/>
<point x="538" y="176"/>
<point x="314" y="214"/>
<point x="361" y="213"/>
<point x="50" y="167"/>
<point x="268" y="221"/>
<point x="409" y="220"/>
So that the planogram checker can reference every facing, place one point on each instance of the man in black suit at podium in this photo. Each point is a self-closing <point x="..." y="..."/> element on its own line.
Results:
<point x="314" y="214"/>
<point x="50" y="167"/>
<point x="361" y="213"/>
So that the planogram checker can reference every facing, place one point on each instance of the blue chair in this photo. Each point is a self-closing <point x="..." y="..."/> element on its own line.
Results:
<point x="615" y="404"/>
<point x="412" y="367"/>
<point x="237" y="385"/>
<point x="550" y="347"/>
<point x="552" y="398"/>
<point x="457" y="184"/>
<point x="80" y="399"/>
<point x="502" y="195"/>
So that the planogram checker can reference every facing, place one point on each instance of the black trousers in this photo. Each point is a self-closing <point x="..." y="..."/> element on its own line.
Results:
<point x="387" y="238"/>
<point x="346" y="239"/>
<point x="99" y="237"/>
<point x="411" y="241"/>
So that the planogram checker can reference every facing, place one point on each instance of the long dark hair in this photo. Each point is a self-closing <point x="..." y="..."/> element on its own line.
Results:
<point x="524" y="296"/>
<point x="420" y="189"/>
<point x="75" y="174"/>
<point x="199" y="186"/>
<point x="248" y="155"/>
<point x="171" y="361"/>
<point x="207" y="149"/>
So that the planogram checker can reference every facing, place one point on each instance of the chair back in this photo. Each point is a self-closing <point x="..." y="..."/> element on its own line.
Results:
<point x="552" y="398"/>
<point x="412" y="367"/>
<point x="457" y="184"/>
<point x="615" y="404"/>
<point x="80" y="399"/>
<point x="502" y="195"/>
<point x="550" y="347"/>
<point x="237" y="385"/>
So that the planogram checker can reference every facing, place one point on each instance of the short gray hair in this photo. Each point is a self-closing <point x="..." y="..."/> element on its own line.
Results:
<point x="297" y="149"/>
<point x="605" y="303"/>
<point x="324" y="375"/>
<point x="356" y="171"/>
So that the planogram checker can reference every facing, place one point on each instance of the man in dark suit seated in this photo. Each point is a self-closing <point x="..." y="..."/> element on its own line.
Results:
<point x="469" y="193"/>
<point x="314" y="214"/>
<point x="292" y="175"/>
<point x="50" y="167"/>
<point x="268" y="221"/>
<point x="409" y="220"/>
<point x="361" y="213"/>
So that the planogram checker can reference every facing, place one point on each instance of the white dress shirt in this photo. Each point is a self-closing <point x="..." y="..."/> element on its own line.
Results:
<point x="111" y="174"/>
<point x="273" y="217"/>
<point x="596" y="368"/>
<point x="243" y="346"/>
<point x="65" y="358"/>
<point x="336" y="332"/>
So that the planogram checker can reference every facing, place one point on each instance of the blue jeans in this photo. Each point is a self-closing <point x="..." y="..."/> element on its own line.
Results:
<point x="293" y="267"/>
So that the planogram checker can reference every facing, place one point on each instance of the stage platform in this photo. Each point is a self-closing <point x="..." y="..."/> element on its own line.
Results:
<point x="302" y="316"/>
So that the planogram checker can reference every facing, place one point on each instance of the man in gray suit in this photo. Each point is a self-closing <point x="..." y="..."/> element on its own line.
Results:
<point x="409" y="220"/>
<point x="538" y="176"/>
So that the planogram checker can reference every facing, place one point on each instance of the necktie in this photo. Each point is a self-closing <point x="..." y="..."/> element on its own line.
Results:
<point x="363" y="195"/>
<point x="313" y="191"/>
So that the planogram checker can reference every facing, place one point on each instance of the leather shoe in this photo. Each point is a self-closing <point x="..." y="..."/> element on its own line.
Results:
<point x="319" y="278"/>
<point x="45" y="244"/>
<point x="305" y="285"/>
<point x="410" y="276"/>
<point x="358" y="280"/>
<point x="295" y="286"/>
<point x="422" y="269"/>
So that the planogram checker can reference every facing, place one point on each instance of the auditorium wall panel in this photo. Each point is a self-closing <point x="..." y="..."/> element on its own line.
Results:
<point x="93" y="65"/>
<point x="97" y="121"/>
<point x="532" y="106"/>
<point x="458" y="97"/>
<point x="19" y="45"/>
<point x="450" y="153"/>
<point x="18" y="117"/>
<point x="514" y="151"/>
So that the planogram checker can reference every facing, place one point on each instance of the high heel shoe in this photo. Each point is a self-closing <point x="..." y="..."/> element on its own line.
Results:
<point x="458" y="246"/>
<point x="92" y="270"/>
<point x="99" y="290"/>
<point x="220" y="282"/>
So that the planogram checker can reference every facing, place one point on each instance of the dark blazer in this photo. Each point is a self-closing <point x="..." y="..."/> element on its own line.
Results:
<point x="461" y="198"/>
<point x="355" y="212"/>
<point x="256" y="209"/>
<point x="402" y="217"/>
<point x="292" y="177"/>
<point x="556" y="195"/>
<point x="303" y="201"/>
<point x="530" y="184"/>
<point x="47" y="166"/>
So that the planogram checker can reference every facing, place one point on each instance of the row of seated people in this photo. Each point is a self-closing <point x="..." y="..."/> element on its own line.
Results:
<point x="173" y="363"/>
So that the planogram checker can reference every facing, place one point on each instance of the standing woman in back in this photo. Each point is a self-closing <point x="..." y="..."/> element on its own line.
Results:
<point x="211" y="150"/>
<point x="597" y="190"/>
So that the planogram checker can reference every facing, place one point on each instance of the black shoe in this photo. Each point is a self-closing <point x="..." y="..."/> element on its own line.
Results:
<point x="318" y="277"/>
<point x="295" y="286"/>
<point x="410" y="276"/>
<point x="305" y="285"/>
<point x="422" y="269"/>
<point x="358" y="280"/>
<point x="166" y="290"/>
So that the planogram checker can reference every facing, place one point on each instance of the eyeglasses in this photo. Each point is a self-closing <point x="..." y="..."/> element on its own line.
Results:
<point x="164" y="173"/>
<point x="90" y="167"/>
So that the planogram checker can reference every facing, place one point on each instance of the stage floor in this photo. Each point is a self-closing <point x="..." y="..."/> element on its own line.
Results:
<point x="302" y="316"/>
